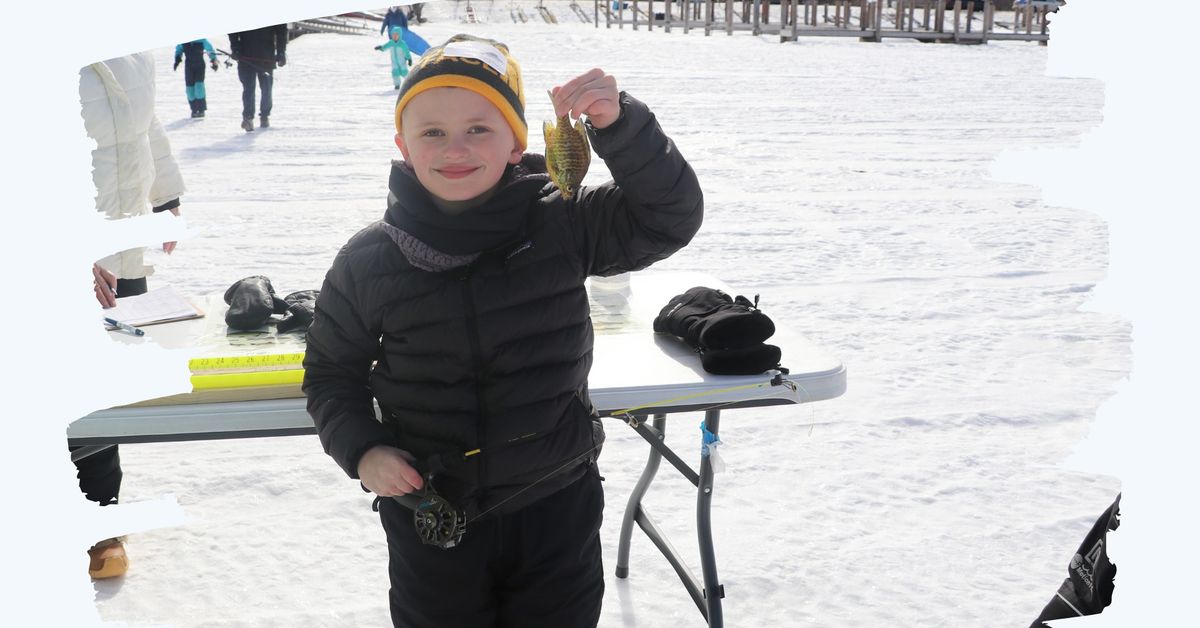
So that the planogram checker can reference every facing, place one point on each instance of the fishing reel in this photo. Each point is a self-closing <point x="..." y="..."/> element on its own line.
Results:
<point x="437" y="521"/>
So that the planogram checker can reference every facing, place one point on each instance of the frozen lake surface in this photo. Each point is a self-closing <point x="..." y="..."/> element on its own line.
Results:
<point x="847" y="184"/>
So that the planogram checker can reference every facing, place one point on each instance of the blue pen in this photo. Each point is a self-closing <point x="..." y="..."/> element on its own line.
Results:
<point x="124" y="327"/>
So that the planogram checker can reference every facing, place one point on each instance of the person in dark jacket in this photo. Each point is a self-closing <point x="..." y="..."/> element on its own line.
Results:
<point x="414" y="12"/>
<point x="463" y="313"/>
<point x="257" y="52"/>
<point x="394" y="17"/>
<point x="191" y="55"/>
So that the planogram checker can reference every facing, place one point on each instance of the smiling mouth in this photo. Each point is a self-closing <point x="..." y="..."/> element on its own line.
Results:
<point x="456" y="173"/>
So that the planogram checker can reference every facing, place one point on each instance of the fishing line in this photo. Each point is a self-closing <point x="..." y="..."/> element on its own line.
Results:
<point x="440" y="524"/>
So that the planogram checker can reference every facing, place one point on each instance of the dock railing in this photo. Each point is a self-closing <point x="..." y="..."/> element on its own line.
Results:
<point x="951" y="21"/>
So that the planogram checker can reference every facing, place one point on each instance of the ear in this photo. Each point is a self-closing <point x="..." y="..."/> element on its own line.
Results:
<point x="402" y="146"/>
<point x="515" y="156"/>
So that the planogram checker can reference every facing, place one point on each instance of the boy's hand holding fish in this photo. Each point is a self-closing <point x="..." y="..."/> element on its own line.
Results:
<point x="568" y="153"/>
<point x="593" y="93"/>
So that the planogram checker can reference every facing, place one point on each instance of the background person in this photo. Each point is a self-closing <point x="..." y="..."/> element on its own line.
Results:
<point x="191" y="55"/>
<point x="135" y="174"/>
<point x="258" y="52"/>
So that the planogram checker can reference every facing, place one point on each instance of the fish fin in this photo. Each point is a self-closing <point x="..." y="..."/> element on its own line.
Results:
<point x="547" y="132"/>
<point x="587" y="146"/>
<point x="551" y="170"/>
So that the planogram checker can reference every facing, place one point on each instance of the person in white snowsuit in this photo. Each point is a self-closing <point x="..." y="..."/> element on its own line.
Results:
<point x="135" y="174"/>
<point x="401" y="57"/>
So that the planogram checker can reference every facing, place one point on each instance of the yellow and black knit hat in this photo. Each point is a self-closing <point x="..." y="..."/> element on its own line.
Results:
<point x="481" y="65"/>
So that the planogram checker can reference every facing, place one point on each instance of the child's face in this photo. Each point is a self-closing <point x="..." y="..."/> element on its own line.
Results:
<point x="457" y="142"/>
<point x="395" y="36"/>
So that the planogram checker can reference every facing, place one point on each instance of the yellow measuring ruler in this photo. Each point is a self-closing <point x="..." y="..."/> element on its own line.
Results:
<point x="243" y="371"/>
<point x="247" y="363"/>
<point x="244" y="380"/>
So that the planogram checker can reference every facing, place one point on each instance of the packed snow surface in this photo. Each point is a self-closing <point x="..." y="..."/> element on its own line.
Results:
<point x="846" y="183"/>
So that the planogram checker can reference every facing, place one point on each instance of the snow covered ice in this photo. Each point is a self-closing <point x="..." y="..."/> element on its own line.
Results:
<point x="847" y="184"/>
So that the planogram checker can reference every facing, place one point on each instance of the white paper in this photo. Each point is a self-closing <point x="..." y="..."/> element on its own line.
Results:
<point x="156" y="306"/>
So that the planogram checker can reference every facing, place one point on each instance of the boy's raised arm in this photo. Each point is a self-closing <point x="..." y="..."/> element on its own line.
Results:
<point x="337" y="369"/>
<point x="653" y="206"/>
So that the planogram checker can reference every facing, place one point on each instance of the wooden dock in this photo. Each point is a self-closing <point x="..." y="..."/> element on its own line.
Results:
<point x="950" y="21"/>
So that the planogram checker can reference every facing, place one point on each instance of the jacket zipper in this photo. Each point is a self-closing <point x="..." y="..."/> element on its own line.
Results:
<point x="477" y="364"/>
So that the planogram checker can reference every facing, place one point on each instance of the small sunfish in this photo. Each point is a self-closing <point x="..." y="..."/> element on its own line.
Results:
<point x="568" y="153"/>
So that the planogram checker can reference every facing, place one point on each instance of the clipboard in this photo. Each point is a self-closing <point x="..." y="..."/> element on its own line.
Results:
<point x="160" y="305"/>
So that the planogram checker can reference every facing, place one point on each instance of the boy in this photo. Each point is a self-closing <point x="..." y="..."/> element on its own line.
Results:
<point x="401" y="57"/>
<point x="191" y="55"/>
<point x="463" y="313"/>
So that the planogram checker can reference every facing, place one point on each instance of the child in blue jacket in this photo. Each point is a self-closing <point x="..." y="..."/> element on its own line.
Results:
<point x="401" y="57"/>
<point x="193" y="72"/>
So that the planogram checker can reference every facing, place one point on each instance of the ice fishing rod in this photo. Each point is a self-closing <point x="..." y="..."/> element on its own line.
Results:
<point x="777" y="380"/>
<point x="228" y="62"/>
<point x="440" y="524"/>
<point x="251" y="60"/>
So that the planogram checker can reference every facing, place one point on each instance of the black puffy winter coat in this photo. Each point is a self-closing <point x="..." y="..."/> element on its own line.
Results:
<point x="492" y="353"/>
<point x="260" y="46"/>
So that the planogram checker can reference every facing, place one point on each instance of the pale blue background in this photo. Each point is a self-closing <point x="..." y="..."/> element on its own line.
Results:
<point x="1136" y="170"/>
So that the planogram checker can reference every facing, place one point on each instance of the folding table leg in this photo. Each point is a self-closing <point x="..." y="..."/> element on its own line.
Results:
<point x="634" y="505"/>
<point x="87" y="450"/>
<point x="713" y="591"/>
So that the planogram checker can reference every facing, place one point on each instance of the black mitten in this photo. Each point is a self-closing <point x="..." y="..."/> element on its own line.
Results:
<point x="299" y="311"/>
<point x="746" y="361"/>
<point x="708" y="319"/>
<point x="252" y="301"/>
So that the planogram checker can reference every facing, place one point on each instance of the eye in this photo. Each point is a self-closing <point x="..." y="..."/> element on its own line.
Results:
<point x="478" y="129"/>
<point x="432" y="133"/>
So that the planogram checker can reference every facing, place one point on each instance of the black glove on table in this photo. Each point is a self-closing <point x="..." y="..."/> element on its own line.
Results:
<point x="708" y="318"/>
<point x="728" y="333"/>
<point x="252" y="301"/>
<point x="300" y="306"/>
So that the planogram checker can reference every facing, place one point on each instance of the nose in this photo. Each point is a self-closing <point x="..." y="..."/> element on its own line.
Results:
<point x="456" y="147"/>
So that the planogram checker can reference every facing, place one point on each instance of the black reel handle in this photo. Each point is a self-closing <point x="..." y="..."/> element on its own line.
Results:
<point x="436" y="521"/>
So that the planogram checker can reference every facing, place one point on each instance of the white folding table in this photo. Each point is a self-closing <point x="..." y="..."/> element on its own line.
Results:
<point x="637" y="376"/>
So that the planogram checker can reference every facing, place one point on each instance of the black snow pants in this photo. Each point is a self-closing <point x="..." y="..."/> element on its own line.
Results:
<point x="193" y="75"/>
<point x="100" y="473"/>
<point x="537" y="567"/>
<point x="250" y="73"/>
